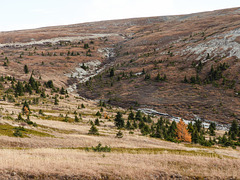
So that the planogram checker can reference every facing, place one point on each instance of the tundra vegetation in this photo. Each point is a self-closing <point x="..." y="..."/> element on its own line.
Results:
<point x="49" y="129"/>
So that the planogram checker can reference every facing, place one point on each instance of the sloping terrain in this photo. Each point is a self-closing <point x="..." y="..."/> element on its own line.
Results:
<point x="171" y="46"/>
<point x="174" y="66"/>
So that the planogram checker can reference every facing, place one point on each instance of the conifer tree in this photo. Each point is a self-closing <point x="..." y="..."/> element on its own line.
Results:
<point x="93" y="130"/>
<point x="182" y="132"/>
<point x="26" y="69"/>
<point x="119" y="121"/>
<point x="131" y="116"/>
<point x="234" y="130"/>
<point x="96" y="122"/>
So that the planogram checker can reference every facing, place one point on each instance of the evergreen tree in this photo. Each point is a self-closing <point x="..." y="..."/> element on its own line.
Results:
<point x="26" y="69"/>
<point x="119" y="121"/>
<point x="111" y="72"/>
<point x="212" y="129"/>
<point x="145" y="130"/>
<point x="56" y="100"/>
<point x="76" y="119"/>
<point x="93" y="130"/>
<point x="119" y="134"/>
<point x="98" y="114"/>
<point x="19" y="91"/>
<point x="234" y="130"/>
<point x="172" y="130"/>
<point x="128" y="125"/>
<point x="138" y="116"/>
<point x="62" y="91"/>
<point x="131" y="116"/>
<point x="135" y="125"/>
<point x="96" y="122"/>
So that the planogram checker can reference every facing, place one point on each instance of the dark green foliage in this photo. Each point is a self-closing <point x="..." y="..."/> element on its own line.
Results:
<point x="185" y="80"/>
<point x="86" y="46"/>
<point x="234" y="130"/>
<point x="212" y="129"/>
<point x="216" y="73"/>
<point x="131" y="116"/>
<point x="145" y="130"/>
<point x="135" y="125"/>
<point x="199" y="67"/>
<point x="96" y="122"/>
<point x="56" y="101"/>
<point x="128" y="125"/>
<point x="26" y="71"/>
<point x="82" y="106"/>
<point x="100" y="148"/>
<point x="98" y="114"/>
<point x="17" y="132"/>
<point x="84" y="67"/>
<point x="93" y="130"/>
<point x="147" y="77"/>
<point x="43" y="95"/>
<point x="119" y="134"/>
<point x="62" y="91"/>
<point x="111" y="72"/>
<point x="19" y="90"/>
<point x="138" y="116"/>
<point x="119" y="121"/>
<point x="76" y="119"/>
<point x="49" y="84"/>
<point x="19" y="117"/>
<point x="161" y="78"/>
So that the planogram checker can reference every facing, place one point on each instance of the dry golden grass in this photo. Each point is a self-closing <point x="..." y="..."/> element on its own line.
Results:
<point x="132" y="157"/>
<point x="133" y="166"/>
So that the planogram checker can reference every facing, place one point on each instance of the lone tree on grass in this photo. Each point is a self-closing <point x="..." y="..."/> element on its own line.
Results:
<point x="26" y="69"/>
<point x="93" y="130"/>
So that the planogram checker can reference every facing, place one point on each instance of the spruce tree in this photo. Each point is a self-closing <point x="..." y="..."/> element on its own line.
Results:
<point x="234" y="130"/>
<point x="93" y="130"/>
<point x="131" y="116"/>
<point x="119" y="121"/>
<point x="26" y="71"/>
<point x="96" y="122"/>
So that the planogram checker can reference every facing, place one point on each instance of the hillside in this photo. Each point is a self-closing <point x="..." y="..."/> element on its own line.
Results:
<point x="104" y="100"/>
<point x="174" y="46"/>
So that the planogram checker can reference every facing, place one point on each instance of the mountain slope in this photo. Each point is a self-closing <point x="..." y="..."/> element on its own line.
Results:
<point x="172" y="46"/>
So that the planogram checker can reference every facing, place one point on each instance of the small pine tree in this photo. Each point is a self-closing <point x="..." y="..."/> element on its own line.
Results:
<point x="119" y="121"/>
<point x="128" y="125"/>
<point x="98" y="114"/>
<point x="56" y="101"/>
<point x="62" y="91"/>
<point x="20" y="117"/>
<point x="93" y="130"/>
<point x="96" y="122"/>
<point x="26" y="71"/>
<point x="131" y="116"/>
<point x="76" y="119"/>
<point x="212" y="129"/>
<point x="234" y="130"/>
<point x="119" y="134"/>
<point x="112" y="72"/>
